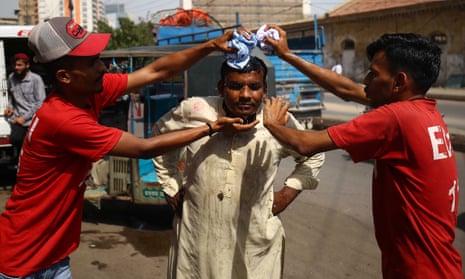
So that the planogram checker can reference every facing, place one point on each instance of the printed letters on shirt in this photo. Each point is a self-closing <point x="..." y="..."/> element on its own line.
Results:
<point x="440" y="142"/>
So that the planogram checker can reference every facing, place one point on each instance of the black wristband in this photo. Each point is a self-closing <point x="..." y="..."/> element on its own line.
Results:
<point x="210" y="132"/>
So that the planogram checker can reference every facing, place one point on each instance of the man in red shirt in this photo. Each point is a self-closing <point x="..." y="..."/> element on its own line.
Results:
<point x="415" y="181"/>
<point x="42" y="222"/>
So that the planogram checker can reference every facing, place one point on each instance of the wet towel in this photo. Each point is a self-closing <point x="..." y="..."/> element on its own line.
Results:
<point x="262" y="35"/>
<point x="244" y="48"/>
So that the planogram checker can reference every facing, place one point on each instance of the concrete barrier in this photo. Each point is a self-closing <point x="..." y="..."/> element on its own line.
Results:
<point x="455" y="94"/>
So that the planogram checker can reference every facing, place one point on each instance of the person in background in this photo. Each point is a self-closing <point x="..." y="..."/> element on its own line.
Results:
<point x="41" y="224"/>
<point x="26" y="94"/>
<point x="337" y="68"/>
<point x="226" y="223"/>
<point x="415" y="182"/>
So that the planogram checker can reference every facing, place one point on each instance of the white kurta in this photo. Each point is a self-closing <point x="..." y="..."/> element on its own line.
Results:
<point x="227" y="229"/>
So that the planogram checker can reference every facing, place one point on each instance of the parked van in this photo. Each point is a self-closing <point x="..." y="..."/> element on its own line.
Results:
<point x="13" y="39"/>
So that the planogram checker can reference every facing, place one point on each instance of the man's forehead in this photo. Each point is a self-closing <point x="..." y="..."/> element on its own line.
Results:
<point x="379" y="61"/>
<point x="249" y="75"/>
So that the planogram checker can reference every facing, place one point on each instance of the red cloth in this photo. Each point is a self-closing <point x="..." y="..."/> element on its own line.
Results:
<point x="187" y="17"/>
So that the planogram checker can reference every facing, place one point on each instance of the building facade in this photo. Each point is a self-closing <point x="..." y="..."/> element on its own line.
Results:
<point x="27" y="12"/>
<point x="86" y="12"/>
<point x="254" y="13"/>
<point x="350" y="27"/>
<point x="114" y="12"/>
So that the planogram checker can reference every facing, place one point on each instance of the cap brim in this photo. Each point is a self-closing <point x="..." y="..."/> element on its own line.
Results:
<point x="94" y="44"/>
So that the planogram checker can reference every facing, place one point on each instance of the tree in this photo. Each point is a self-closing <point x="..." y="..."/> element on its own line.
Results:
<point x="128" y="34"/>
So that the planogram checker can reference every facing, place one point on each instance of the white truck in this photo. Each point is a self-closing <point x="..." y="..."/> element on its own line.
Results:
<point x="13" y="39"/>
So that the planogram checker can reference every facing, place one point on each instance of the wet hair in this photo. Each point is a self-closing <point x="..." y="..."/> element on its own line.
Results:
<point x="255" y="64"/>
<point x="411" y="53"/>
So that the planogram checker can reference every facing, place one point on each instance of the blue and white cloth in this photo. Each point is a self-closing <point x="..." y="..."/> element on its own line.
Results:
<point x="262" y="35"/>
<point x="244" y="47"/>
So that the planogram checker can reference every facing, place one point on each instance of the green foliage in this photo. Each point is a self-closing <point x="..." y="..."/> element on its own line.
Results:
<point x="128" y="34"/>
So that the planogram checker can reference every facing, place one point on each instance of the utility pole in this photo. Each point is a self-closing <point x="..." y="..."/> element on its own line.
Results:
<point x="186" y="4"/>
<point x="306" y="8"/>
<point x="71" y="8"/>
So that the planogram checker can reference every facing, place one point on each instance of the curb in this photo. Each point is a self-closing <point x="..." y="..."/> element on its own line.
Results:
<point x="457" y="137"/>
<point x="451" y="94"/>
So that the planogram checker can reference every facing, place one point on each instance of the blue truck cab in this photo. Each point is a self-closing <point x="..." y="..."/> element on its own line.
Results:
<point x="304" y="96"/>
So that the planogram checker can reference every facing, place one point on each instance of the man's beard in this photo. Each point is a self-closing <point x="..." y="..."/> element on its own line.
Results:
<point x="21" y="75"/>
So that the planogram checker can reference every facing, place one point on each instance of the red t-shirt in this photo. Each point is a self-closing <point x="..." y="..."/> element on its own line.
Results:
<point x="42" y="221"/>
<point x="415" y="186"/>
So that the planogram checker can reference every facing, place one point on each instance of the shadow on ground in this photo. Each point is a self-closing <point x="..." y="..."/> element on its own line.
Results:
<point x="128" y="214"/>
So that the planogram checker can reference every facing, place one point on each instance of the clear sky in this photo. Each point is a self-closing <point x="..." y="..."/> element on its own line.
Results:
<point x="140" y="8"/>
<point x="8" y="8"/>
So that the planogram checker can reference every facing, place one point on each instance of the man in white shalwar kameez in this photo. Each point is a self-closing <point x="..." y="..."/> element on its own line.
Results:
<point x="226" y="223"/>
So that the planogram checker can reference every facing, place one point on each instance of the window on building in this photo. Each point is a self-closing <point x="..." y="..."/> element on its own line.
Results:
<point x="348" y="44"/>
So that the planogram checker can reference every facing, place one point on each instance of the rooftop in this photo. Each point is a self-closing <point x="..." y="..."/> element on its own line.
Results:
<point x="363" y="6"/>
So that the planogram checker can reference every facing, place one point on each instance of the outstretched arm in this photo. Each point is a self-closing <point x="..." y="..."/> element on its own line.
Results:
<point x="174" y="63"/>
<point x="134" y="147"/>
<point x="337" y="84"/>
<point x="306" y="142"/>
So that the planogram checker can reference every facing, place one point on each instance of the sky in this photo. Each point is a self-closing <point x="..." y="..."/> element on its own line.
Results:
<point x="140" y="8"/>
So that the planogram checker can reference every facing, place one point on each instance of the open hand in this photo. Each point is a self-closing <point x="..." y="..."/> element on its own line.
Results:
<point x="275" y="113"/>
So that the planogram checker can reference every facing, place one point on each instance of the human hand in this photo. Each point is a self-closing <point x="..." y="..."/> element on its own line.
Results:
<point x="8" y="112"/>
<point x="222" y="42"/>
<point x="230" y="125"/>
<point x="176" y="202"/>
<point x="275" y="112"/>
<point x="279" y="46"/>
<point x="19" y="120"/>
<point x="283" y="198"/>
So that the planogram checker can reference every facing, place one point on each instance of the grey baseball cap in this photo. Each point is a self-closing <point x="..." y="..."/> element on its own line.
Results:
<point x="62" y="36"/>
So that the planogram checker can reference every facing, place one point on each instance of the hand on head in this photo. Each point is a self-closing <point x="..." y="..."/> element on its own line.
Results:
<point x="275" y="112"/>
<point x="279" y="46"/>
<point x="222" y="42"/>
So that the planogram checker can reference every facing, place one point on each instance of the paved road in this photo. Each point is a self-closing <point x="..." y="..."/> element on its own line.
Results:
<point x="330" y="230"/>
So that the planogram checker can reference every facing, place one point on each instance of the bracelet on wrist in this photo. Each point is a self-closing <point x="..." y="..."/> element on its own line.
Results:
<point x="210" y="129"/>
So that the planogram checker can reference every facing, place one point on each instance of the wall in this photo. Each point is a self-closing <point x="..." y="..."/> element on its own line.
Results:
<point x="252" y="13"/>
<point x="427" y="19"/>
